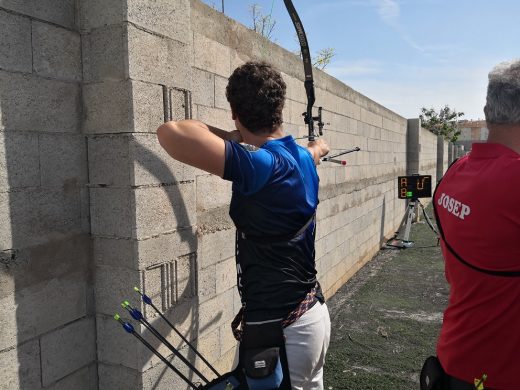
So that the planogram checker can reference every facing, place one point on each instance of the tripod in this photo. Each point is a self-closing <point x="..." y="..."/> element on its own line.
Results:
<point x="404" y="242"/>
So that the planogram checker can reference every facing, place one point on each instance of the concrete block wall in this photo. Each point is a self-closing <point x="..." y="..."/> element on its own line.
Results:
<point x="137" y="74"/>
<point x="47" y="337"/>
<point x="95" y="206"/>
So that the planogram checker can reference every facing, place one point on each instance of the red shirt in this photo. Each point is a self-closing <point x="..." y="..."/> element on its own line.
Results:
<point x="478" y="205"/>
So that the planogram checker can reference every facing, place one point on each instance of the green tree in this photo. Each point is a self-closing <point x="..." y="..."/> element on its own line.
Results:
<point x="323" y="57"/>
<point x="444" y="122"/>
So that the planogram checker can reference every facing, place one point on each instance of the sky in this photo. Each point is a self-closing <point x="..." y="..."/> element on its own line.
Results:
<point x="403" y="54"/>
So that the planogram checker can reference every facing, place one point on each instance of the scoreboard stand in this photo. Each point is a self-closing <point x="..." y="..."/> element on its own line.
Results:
<point x="411" y="188"/>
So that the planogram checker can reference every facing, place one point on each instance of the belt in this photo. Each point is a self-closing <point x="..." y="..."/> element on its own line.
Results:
<point x="237" y="325"/>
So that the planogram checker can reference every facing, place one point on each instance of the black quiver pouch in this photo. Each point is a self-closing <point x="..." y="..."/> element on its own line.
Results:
<point x="262" y="355"/>
<point x="432" y="376"/>
<point x="233" y="380"/>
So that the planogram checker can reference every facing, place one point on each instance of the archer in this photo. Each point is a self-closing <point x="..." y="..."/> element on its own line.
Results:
<point x="284" y="324"/>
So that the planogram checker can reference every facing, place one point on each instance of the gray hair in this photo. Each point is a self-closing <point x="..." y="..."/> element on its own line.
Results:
<point x="503" y="94"/>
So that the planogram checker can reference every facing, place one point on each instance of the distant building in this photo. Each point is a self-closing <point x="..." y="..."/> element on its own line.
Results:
<point x="472" y="132"/>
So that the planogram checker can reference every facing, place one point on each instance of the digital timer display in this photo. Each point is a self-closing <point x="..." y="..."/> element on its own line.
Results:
<point x="414" y="187"/>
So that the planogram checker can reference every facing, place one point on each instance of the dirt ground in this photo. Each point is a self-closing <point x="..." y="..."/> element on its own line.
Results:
<point x="386" y="319"/>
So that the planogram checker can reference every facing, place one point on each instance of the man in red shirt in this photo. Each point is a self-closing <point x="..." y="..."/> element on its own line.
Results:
<point x="477" y="205"/>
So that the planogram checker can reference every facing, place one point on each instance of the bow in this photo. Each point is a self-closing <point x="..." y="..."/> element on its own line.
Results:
<point x="309" y="85"/>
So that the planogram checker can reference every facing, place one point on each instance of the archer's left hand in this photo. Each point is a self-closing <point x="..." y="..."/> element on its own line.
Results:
<point x="318" y="148"/>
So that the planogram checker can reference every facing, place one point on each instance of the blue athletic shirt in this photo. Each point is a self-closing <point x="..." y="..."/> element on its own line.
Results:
<point x="275" y="193"/>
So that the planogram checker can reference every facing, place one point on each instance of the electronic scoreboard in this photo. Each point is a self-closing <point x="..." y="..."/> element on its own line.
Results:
<point x="414" y="186"/>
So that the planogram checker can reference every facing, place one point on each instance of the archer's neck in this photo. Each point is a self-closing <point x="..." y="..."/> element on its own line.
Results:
<point x="507" y="135"/>
<point x="260" y="139"/>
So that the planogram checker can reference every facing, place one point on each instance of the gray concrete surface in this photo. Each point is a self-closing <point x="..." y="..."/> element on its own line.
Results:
<point x="386" y="319"/>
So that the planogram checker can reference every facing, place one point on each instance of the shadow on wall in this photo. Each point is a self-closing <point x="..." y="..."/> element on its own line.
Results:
<point x="184" y="308"/>
<point x="46" y="296"/>
<point x="48" y="335"/>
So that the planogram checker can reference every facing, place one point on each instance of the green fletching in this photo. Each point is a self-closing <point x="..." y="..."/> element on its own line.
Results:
<point x="117" y="317"/>
<point x="136" y="289"/>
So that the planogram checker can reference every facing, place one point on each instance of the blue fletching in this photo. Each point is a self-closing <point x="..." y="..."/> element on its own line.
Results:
<point x="136" y="314"/>
<point x="147" y="299"/>
<point x="128" y="327"/>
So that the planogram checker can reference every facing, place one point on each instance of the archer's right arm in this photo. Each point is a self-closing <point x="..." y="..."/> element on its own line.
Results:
<point x="196" y="144"/>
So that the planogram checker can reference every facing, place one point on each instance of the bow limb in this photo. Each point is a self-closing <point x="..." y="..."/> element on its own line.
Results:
<point x="307" y="66"/>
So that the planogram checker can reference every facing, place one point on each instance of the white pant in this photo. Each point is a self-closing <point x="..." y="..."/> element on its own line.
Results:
<point x="306" y="343"/>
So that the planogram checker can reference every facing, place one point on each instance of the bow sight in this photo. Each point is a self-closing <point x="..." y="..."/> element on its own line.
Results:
<point x="308" y="117"/>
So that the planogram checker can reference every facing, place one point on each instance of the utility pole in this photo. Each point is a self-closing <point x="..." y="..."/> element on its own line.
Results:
<point x="222" y="6"/>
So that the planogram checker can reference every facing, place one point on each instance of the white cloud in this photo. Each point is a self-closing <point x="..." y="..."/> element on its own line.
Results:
<point x="388" y="10"/>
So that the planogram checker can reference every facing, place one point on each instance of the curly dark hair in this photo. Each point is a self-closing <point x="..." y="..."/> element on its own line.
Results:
<point x="256" y="94"/>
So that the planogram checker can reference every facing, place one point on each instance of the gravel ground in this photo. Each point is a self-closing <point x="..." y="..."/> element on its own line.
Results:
<point x="386" y="319"/>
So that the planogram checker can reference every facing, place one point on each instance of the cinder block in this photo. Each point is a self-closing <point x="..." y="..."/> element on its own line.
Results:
<point x="170" y="282"/>
<point x="226" y="277"/>
<point x="164" y="209"/>
<point x="220" y="93"/>
<point x="19" y="165"/>
<point x="32" y="103"/>
<point x="158" y="60"/>
<point x="104" y="54"/>
<point x="216" y="311"/>
<point x="166" y="247"/>
<point x="98" y="13"/>
<point x="118" y="377"/>
<point x="186" y="278"/>
<point x="26" y="313"/>
<point x="211" y="56"/>
<point x="114" y="285"/>
<point x="238" y="59"/>
<point x="168" y="18"/>
<point x="63" y="160"/>
<point x="153" y="165"/>
<point x="21" y="367"/>
<point x="123" y="107"/>
<point x="108" y="107"/>
<point x="204" y="88"/>
<point x="148" y="105"/>
<point x="15" y="51"/>
<point x="68" y="256"/>
<point x="109" y="160"/>
<point x="60" y="12"/>
<point x="115" y="346"/>
<point x="227" y="361"/>
<point x="227" y="339"/>
<point x="36" y="215"/>
<point x="215" y="247"/>
<point x="212" y="192"/>
<point x="161" y="377"/>
<point x="83" y="379"/>
<point x="208" y="344"/>
<point x="207" y="283"/>
<point x="59" y="211"/>
<point x="67" y="350"/>
<point x="215" y="117"/>
<point x="112" y="212"/>
<point x="115" y="252"/>
<point x="178" y="104"/>
<point x="56" y="52"/>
